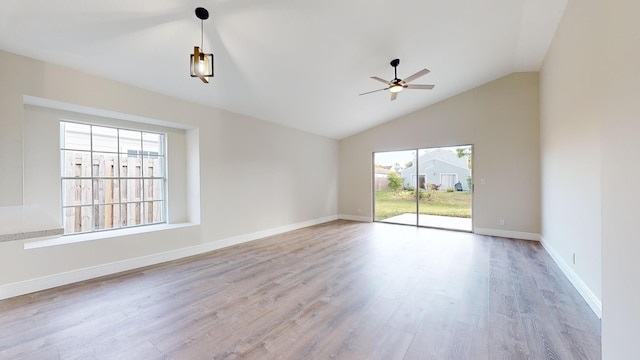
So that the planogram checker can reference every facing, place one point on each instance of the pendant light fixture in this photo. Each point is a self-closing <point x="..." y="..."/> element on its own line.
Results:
<point x="201" y="63"/>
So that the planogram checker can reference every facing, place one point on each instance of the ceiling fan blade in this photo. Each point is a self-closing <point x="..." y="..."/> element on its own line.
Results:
<point x="424" y="87"/>
<point x="374" y="91"/>
<point x="381" y="80"/>
<point x="416" y="75"/>
<point x="394" y="96"/>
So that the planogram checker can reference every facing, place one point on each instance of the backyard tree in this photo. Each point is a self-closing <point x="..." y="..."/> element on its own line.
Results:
<point x="395" y="181"/>
<point x="465" y="151"/>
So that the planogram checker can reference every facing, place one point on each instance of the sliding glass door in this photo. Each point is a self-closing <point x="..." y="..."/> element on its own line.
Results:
<point x="394" y="199"/>
<point x="425" y="187"/>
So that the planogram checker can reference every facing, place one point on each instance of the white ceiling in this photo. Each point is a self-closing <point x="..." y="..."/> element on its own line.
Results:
<point x="300" y="63"/>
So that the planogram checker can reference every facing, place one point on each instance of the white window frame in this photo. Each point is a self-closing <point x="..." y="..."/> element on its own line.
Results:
<point x="157" y="201"/>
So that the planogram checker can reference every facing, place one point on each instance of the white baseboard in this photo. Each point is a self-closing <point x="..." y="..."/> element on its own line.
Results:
<point x="508" y="234"/>
<point x="583" y="289"/>
<point x="354" y="218"/>
<point x="55" y="280"/>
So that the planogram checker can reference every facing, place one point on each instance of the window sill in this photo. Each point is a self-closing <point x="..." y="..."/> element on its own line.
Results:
<point x="71" y="239"/>
<point x="25" y="223"/>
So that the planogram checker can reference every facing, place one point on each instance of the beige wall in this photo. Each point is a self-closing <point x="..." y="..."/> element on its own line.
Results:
<point x="242" y="176"/>
<point x="571" y="149"/>
<point x="500" y="119"/>
<point x="590" y="94"/>
<point x="621" y="197"/>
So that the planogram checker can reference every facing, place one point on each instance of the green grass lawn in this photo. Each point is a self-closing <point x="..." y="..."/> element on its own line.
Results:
<point x="389" y="203"/>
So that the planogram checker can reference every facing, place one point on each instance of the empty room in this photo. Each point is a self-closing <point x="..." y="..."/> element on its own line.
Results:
<point x="214" y="179"/>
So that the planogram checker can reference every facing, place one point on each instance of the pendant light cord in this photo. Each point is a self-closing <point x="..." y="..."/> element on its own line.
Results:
<point x="201" y="32"/>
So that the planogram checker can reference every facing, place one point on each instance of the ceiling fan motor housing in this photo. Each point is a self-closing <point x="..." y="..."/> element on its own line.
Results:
<point x="396" y="85"/>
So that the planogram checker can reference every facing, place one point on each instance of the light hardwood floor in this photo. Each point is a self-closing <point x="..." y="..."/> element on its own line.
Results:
<point x="341" y="290"/>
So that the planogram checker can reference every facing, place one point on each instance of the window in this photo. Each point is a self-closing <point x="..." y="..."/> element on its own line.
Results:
<point x="111" y="177"/>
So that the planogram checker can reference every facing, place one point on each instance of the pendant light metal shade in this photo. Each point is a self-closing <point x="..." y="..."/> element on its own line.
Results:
<point x="201" y="63"/>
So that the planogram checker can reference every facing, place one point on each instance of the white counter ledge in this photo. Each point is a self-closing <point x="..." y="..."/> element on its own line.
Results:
<point x="26" y="222"/>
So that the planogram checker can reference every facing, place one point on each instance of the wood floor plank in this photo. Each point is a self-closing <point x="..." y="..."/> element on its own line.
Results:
<point x="340" y="290"/>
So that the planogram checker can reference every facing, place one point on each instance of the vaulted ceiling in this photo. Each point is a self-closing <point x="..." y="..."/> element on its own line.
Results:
<point x="300" y="63"/>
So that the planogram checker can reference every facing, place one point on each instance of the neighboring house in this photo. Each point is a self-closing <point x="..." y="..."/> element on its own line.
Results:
<point x="439" y="167"/>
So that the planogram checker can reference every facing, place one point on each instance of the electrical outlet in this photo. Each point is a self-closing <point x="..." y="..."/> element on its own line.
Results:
<point x="502" y="222"/>
<point x="359" y="210"/>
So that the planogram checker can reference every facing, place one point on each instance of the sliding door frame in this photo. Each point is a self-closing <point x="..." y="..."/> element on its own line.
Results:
<point x="416" y="161"/>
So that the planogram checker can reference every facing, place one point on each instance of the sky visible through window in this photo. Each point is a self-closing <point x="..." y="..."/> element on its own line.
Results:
<point x="387" y="158"/>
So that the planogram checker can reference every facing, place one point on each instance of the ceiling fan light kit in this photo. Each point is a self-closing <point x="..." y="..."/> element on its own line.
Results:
<point x="201" y="63"/>
<point x="395" y="88"/>
<point x="396" y="85"/>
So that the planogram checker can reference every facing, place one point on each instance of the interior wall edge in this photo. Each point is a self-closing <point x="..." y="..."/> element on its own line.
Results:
<point x="592" y="300"/>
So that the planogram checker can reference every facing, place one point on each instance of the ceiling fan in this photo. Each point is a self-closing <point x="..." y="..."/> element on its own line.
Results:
<point x="396" y="85"/>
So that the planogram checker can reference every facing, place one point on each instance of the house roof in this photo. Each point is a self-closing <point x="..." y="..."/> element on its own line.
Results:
<point x="440" y="155"/>
<point x="298" y="63"/>
<point x="382" y="170"/>
<point x="444" y="155"/>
